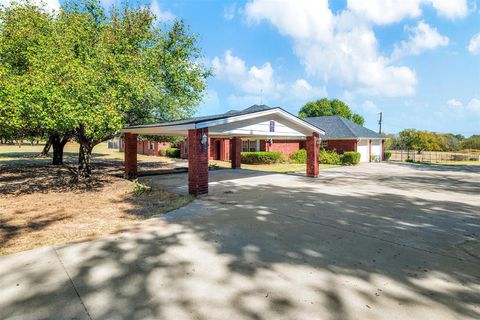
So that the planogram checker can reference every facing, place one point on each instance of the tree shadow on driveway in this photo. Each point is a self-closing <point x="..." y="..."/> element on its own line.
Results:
<point x="267" y="252"/>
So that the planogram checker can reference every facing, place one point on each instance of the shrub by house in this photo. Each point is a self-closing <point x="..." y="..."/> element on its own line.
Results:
<point x="299" y="156"/>
<point x="261" y="157"/>
<point x="351" y="158"/>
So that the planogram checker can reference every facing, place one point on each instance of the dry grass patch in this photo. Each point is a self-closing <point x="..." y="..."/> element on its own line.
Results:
<point x="40" y="205"/>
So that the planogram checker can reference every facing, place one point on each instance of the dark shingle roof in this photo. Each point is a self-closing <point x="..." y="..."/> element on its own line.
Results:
<point x="337" y="127"/>
<point x="231" y="113"/>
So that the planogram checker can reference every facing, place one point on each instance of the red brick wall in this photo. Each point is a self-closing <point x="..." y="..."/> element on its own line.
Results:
<point x="197" y="162"/>
<point x="286" y="147"/>
<point x="312" y="155"/>
<point x="341" y="145"/>
<point x="142" y="147"/>
<point x="130" y="155"/>
<point x="224" y="144"/>
<point x="235" y="150"/>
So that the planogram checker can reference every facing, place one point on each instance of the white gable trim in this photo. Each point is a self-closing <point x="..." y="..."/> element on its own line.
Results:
<point x="247" y="116"/>
<point x="182" y="129"/>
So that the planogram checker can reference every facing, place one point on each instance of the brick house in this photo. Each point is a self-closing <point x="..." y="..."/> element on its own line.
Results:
<point x="340" y="135"/>
<point x="146" y="147"/>
<point x="228" y="133"/>
<point x="345" y="135"/>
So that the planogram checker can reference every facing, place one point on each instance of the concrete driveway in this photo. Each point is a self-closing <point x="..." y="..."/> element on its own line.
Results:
<point x="377" y="241"/>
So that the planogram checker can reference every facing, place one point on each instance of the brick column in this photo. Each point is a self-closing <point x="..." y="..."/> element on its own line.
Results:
<point x="235" y="149"/>
<point x="312" y="155"/>
<point x="197" y="162"/>
<point x="130" y="154"/>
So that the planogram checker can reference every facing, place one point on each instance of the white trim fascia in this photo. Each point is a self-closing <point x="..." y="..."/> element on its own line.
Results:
<point x="247" y="116"/>
<point x="160" y="129"/>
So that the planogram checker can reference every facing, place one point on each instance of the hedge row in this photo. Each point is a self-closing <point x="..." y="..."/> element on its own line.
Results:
<point x="299" y="156"/>
<point x="351" y="158"/>
<point x="169" y="152"/>
<point x="388" y="155"/>
<point x="262" y="157"/>
<point x="329" y="157"/>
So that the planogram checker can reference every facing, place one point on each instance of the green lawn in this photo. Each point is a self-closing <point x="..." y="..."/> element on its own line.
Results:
<point x="278" y="167"/>
<point x="27" y="154"/>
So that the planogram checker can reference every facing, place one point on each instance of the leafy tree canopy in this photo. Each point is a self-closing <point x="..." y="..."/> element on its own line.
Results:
<point x="422" y="140"/>
<point x="86" y="72"/>
<point x="326" y="107"/>
<point x="471" y="143"/>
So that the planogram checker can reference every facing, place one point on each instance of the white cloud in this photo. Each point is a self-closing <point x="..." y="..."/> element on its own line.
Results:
<point x="474" y="45"/>
<point x="229" y="11"/>
<point x="161" y="15"/>
<point x="385" y="11"/>
<point x="422" y="37"/>
<point x="300" y="19"/>
<point x="474" y="105"/>
<point x="302" y="90"/>
<point x="50" y="4"/>
<point x="259" y="83"/>
<point x="335" y="47"/>
<point x="390" y="11"/>
<point x="370" y="107"/>
<point x="254" y="80"/>
<point x="450" y="8"/>
<point x="455" y="104"/>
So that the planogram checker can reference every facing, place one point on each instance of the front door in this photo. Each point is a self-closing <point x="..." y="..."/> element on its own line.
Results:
<point x="216" y="152"/>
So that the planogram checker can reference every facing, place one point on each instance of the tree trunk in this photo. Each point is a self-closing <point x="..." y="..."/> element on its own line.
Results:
<point x="84" y="159"/>
<point x="58" y="143"/>
<point x="46" y="148"/>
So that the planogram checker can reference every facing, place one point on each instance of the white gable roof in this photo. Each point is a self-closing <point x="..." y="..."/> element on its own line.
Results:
<point x="259" y="122"/>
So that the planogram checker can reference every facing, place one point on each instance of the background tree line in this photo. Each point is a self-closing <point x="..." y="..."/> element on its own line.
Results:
<point x="83" y="73"/>
<point x="411" y="139"/>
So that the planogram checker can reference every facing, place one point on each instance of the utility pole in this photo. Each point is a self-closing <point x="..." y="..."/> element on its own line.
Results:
<point x="380" y="123"/>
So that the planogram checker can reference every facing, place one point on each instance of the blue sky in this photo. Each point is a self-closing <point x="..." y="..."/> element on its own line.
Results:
<point x="417" y="61"/>
<point x="410" y="61"/>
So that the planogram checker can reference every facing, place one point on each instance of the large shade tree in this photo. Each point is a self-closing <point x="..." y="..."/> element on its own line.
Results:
<point x="326" y="107"/>
<point x="31" y="103"/>
<point x="97" y="72"/>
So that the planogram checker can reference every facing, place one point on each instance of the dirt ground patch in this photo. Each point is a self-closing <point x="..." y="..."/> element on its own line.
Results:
<point x="42" y="205"/>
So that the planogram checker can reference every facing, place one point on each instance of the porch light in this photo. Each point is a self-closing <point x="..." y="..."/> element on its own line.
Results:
<point x="203" y="142"/>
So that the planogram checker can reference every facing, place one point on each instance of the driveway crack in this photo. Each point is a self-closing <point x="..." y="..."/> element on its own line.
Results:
<point x="73" y="284"/>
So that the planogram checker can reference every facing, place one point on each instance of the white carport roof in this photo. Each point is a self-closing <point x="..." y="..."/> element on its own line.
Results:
<point x="257" y="121"/>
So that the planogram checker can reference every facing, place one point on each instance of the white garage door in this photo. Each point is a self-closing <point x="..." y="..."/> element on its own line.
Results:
<point x="377" y="149"/>
<point x="363" y="148"/>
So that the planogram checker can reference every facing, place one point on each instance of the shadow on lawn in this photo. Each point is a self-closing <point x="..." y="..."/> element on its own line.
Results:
<point x="29" y="176"/>
<point x="296" y="253"/>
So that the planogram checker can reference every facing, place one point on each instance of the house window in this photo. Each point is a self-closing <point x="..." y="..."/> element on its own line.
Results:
<point x="250" y="145"/>
<point x="185" y="146"/>
<point x="151" y="145"/>
<point x="324" y="143"/>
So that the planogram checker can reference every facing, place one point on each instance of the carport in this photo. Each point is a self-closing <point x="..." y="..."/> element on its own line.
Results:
<point x="259" y="122"/>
